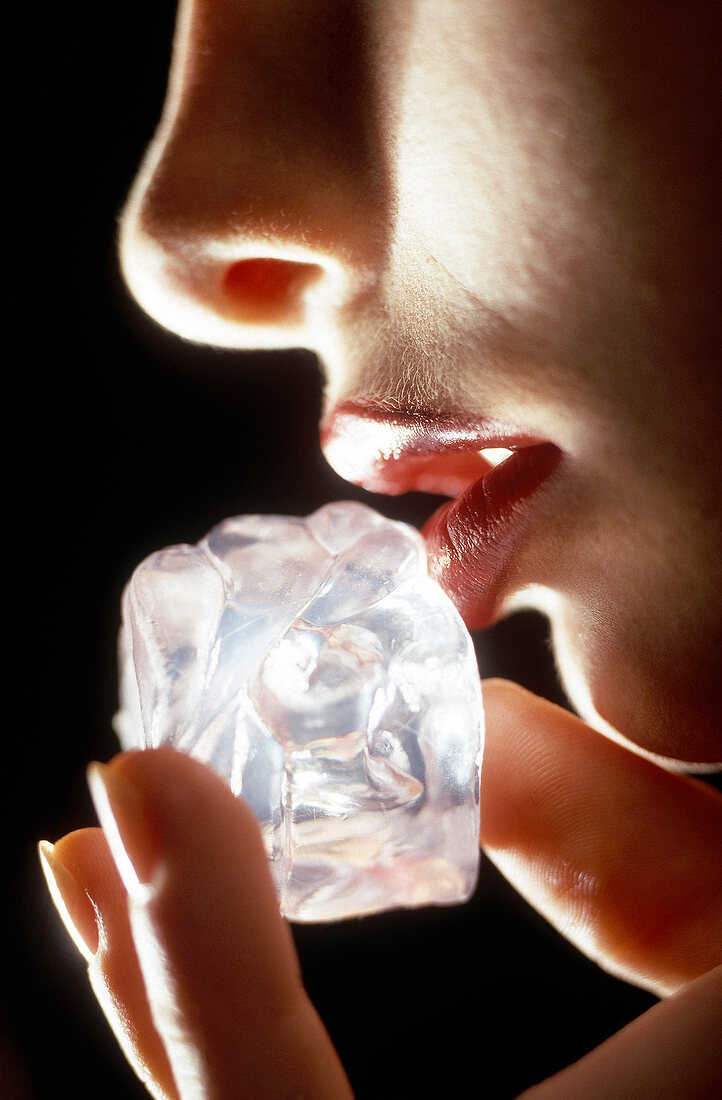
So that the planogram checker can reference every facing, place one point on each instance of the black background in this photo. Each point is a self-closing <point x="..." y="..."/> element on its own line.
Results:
<point x="125" y="440"/>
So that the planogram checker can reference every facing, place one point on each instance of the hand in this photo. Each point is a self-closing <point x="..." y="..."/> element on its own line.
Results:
<point x="188" y="955"/>
<point x="625" y="859"/>
<point x="198" y="975"/>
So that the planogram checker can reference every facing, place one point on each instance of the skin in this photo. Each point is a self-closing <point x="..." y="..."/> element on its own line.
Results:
<point x="507" y="209"/>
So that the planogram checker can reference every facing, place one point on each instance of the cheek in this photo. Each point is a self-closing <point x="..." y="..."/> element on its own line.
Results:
<point x="500" y="151"/>
<point x="500" y="211"/>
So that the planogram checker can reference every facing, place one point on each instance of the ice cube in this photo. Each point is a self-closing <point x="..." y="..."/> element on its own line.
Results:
<point x="316" y="666"/>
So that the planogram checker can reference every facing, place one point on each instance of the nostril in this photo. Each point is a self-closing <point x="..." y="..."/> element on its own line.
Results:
<point x="267" y="290"/>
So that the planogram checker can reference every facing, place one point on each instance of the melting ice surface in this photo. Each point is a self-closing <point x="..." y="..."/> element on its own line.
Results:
<point x="314" y="664"/>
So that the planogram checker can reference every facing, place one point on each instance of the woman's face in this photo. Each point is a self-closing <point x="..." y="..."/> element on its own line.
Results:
<point x="497" y="223"/>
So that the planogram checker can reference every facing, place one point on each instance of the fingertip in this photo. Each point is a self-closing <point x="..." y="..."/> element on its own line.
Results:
<point x="94" y="907"/>
<point x="517" y="724"/>
<point x="71" y="901"/>
<point x="191" y="849"/>
<point x="85" y="857"/>
<point x="168" y="806"/>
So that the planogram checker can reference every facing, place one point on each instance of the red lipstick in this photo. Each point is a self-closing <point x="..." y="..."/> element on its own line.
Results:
<point x="471" y="539"/>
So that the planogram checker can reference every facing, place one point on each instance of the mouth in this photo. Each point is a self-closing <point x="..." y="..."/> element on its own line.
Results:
<point x="493" y="472"/>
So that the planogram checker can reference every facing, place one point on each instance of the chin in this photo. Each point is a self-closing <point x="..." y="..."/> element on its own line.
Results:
<point x="662" y="711"/>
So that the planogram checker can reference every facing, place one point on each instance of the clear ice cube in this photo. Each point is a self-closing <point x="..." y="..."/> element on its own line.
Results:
<point x="316" y="666"/>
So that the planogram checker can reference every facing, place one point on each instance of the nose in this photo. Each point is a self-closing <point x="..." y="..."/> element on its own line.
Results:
<point x="259" y="216"/>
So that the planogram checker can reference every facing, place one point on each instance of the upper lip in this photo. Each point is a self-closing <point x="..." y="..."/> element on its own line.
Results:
<point x="395" y="450"/>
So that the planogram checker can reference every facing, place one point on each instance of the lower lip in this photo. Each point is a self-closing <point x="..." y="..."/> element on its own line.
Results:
<point x="472" y="540"/>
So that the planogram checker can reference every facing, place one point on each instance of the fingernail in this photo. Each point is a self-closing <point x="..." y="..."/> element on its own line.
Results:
<point x="131" y="836"/>
<point x="71" y="901"/>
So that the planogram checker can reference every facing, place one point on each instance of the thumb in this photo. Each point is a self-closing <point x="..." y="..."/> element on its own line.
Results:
<point x="623" y="857"/>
